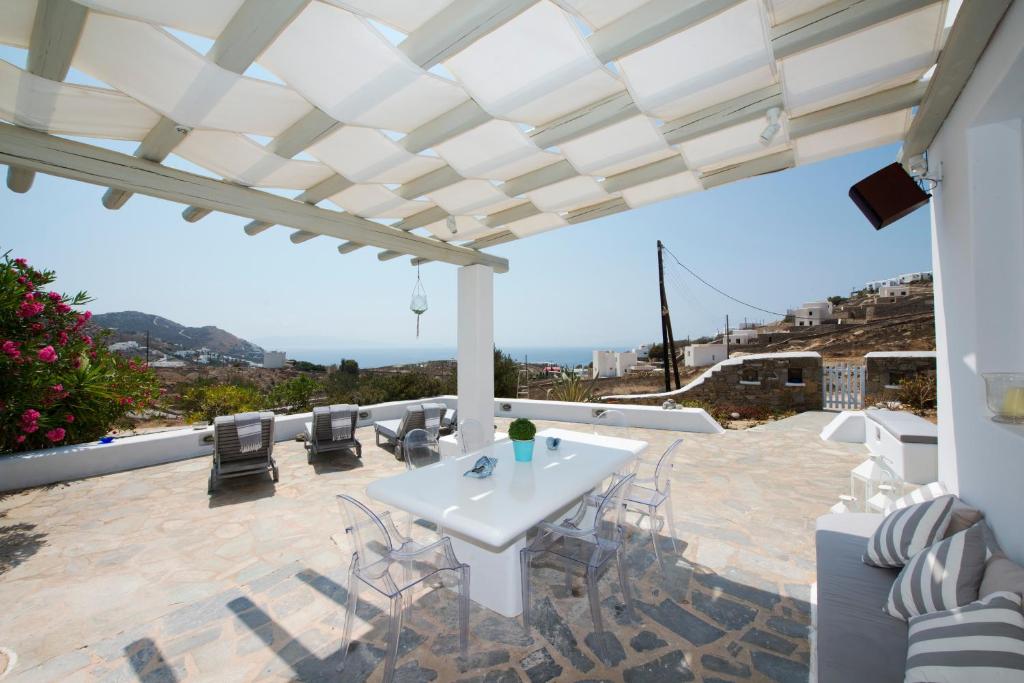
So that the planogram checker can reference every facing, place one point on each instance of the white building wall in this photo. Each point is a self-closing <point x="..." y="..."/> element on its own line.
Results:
<point x="891" y="292"/>
<point x="978" y="252"/>
<point x="741" y="337"/>
<point x="702" y="355"/>
<point x="613" y="363"/>
<point x="273" y="359"/>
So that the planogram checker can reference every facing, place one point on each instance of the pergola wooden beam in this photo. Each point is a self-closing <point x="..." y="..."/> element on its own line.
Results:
<point x="57" y="156"/>
<point x="457" y="26"/>
<point x="867" y="107"/>
<point x="771" y="163"/>
<point x="975" y="23"/>
<point x="651" y="22"/>
<point x="56" y="29"/>
<point x="836" y="20"/>
<point x="251" y="30"/>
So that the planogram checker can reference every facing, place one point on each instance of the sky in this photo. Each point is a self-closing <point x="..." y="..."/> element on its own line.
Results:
<point x="774" y="241"/>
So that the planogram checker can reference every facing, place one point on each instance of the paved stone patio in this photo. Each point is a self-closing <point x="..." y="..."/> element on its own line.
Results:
<point x="142" y="576"/>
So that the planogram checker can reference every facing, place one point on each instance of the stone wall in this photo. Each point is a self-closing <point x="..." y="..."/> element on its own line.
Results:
<point x="762" y="383"/>
<point x="884" y="371"/>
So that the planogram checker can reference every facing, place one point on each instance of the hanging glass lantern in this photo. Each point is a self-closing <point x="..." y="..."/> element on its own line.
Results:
<point x="418" y="304"/>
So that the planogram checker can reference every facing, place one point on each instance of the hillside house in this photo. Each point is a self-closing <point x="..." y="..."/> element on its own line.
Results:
<point x="702" y="355"/>
<point x="742" y="337"/>
<point x="613" y="363"/>
<point x="894" y="292"/>
<point x="811" y="314"/>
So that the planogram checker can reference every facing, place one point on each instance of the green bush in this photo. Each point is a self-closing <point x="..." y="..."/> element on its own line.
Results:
<point x="522" y="429"/>
<point x="918" y="393"/>
<point x="57" y="384"/>
<point x="297" y="394"/>
<point x="203" y="401"/>
<point x="506" y="375"/>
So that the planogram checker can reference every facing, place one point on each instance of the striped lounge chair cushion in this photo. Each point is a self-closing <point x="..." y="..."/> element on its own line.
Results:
<point x="908" y="531"/>
<point x="982" y="641"/>
<point x="944" y="576"/>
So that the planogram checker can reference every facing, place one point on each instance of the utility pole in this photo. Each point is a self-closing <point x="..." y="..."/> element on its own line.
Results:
<point x="668" y="344"/>
<point x="727" y="336"/>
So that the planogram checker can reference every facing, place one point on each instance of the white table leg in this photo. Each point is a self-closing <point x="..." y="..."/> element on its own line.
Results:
<point x="495" y="581"/>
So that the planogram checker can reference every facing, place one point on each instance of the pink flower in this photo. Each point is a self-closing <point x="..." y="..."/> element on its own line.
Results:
<point x="62" y="338"/>
<point x="87" y="339"/>
<point x="11" y="349"/>
<point x="29" y="309"/>
<point x="47" y="354"/>
<point x="76" y="363"/>
<point x="21" y="438"/>
<point x="30" y="415"/>
<point x="54" y="296"/>
<point x="29" y="428"/>
<point x="69" y="418"/>
<point x="63" y="308"/>
<point x="37" y="327"/>
<point x="21" y="262"/>
<point x="55" y="435"/>
<point x="22" y="280"/>
<point x="125" y="401"/>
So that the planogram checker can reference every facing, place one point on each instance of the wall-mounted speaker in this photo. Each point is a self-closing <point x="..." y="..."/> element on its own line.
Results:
<point x="888" y="195"/>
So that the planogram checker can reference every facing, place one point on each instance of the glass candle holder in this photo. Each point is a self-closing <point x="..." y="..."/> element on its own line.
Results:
<point x="1005" y="395"/>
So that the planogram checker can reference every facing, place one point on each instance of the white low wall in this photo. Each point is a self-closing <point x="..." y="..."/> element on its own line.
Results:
<point x="80" y="461"/>
<point x="848" y="426"/>
<point x="649" y="417"/>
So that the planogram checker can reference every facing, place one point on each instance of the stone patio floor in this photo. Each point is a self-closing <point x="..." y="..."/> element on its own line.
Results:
<point x="142" y="576"/>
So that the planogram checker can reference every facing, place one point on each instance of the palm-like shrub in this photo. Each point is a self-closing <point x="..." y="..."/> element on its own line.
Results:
<point x="571" y="388"/>
<point x="57" y="384"/>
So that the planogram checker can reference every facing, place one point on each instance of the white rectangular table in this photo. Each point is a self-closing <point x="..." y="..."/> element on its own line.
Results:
<point x="487" y="519"/>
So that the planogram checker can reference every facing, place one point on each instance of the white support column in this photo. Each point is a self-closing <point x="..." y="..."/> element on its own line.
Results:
<point x="476" y="346"/>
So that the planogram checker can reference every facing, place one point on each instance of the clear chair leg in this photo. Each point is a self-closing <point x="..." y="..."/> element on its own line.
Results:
<point x="654" y="536"/>
<point x="627" y="592"/>
<point x="595" y="600"/>
<point x="524" y="570"/>
<point x="350" y="614"/>
<point x="464" y="577"/>
<point x="671" y="522"/>
<point x="394" y="635"/>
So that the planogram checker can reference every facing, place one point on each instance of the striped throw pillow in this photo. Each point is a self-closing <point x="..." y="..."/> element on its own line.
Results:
<point x="983" y="641"/>
<point x="946" y="575"/>
<point x="906" y="532"/>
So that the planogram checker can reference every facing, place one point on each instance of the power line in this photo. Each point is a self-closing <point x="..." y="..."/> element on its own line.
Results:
<point x="730" y="296"/>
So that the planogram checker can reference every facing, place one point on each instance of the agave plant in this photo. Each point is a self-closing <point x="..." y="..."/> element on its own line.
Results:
<point x="571" y="388"/>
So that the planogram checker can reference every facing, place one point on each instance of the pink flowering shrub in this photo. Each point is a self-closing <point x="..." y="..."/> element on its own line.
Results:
<point x="58" y="385"/>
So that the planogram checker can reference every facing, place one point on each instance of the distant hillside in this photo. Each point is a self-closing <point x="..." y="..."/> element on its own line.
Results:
<point x="169" y="336"/>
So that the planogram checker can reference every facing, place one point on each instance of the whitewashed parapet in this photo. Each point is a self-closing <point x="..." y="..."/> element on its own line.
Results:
<point x="644" y="417"/>
<point x="80" y="461"/>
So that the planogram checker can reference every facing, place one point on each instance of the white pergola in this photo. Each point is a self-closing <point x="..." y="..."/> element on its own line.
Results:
<point x="490" y="121"/>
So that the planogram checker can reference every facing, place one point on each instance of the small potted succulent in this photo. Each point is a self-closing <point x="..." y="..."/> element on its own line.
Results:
<point x="522" y="431"/>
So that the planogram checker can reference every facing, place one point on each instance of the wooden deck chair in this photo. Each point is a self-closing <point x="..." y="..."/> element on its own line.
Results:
<point x="228" y="458"/>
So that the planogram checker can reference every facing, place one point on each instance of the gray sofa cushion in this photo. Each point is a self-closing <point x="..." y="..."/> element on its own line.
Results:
<point x="856" y="640"/>
<point x="906" y="427"/>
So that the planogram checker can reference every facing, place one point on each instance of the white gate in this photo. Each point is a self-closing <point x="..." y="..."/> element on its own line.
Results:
<point x="842" y="386"/>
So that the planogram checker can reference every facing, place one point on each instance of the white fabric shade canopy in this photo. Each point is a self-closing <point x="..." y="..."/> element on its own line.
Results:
<point x="553" y="113"/>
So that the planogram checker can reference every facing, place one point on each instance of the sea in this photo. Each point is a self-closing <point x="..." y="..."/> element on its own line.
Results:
<point x="569" y="356"/>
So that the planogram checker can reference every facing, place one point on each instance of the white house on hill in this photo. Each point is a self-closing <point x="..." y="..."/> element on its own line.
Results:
<point x="613" y="363"/>
<point x="811" y="314"/>
<point x="702" y="355"/>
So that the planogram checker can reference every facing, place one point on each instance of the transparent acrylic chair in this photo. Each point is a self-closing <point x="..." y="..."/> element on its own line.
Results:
<point x="649" y="495"/>
<point x="394" y="566"/>
<point x="420" y="449"/>
<point x="470" y="437"/>
<point x="612" y="423"/>
<point x="591" y="547"/>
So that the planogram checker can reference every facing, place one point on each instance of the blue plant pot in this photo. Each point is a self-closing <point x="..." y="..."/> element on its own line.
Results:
<point x="523" y="450"/>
